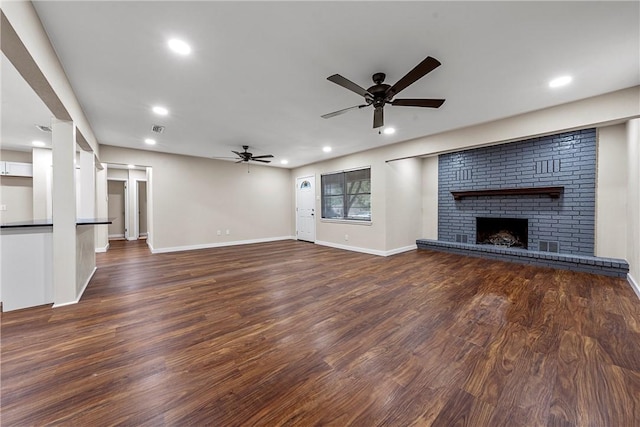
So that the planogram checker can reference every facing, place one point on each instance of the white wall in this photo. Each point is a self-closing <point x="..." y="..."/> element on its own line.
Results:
<point x="611" y="192"/>
<point x="633" y="197"/>
<point x="192" y="198"/>
<point x="430" y="198"/>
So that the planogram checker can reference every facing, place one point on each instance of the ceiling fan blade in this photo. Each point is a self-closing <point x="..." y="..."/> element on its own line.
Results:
<point x="337" y="113"/>
<point x="241" y="160"/>
<point x="431" y="103"/>
<point x="426" y="66"/>
<point x="348" y="84"/>
<point x="261" y="161"/>
<point x="236" y="153"/>
<point x="266" y="156"/>
<point x="378" y="118"/>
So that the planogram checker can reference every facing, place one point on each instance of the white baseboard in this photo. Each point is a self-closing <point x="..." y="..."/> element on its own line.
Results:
<point x="116" y="236"/>
<point x="77" y="300"/>
<point x="103" y="249"/>
<point x="217" y="245"/>
<point x="367" y="250"/>
<point x="633" y="284"/>
<point x="401" y="250"/>
<point x="151" y="247"/>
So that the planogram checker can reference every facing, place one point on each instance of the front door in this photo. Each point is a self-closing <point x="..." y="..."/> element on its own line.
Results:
<point x="306" y="208"/>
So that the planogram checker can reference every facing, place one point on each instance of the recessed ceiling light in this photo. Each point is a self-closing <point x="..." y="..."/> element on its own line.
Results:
<point x="284" y="162"/>
<point x="160" y="110"/>
<point x="150" y="141"/>
<point x="38" y="144"/>
<point x="326" y="149"/>
<point x="389" y="131"/>
<point x="131" y="166"/>
<point x="178" y="46"/>
<point x="560" y="81"/>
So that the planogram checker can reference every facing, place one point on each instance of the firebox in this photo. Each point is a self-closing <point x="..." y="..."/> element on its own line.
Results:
<point x="508" y="232"/>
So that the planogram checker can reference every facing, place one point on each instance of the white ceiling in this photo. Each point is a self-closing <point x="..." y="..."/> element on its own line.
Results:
<point x="21" y="111"/>
<point x="257" y="73"/>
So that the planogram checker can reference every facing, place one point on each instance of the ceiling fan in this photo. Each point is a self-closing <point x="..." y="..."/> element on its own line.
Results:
<point x="245" y="156"/>
<point x="381" y="93"/>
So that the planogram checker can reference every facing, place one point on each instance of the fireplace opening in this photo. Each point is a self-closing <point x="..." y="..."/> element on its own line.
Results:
<point x="508" y="232"/>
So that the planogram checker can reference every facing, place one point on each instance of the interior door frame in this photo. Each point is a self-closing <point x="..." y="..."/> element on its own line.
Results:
<point x="314" y="201"/>
<point x="136" y="217"/>
<point x="126" y="203"/>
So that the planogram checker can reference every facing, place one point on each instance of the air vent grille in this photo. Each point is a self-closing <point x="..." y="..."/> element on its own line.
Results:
<point x="44" y="128"/>
<point x="546" y="246"/>
<point x="461" y="238"/>
<point x="157" y="128"/>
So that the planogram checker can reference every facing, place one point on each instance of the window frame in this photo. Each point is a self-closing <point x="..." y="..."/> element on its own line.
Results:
<point x="345" y="195"/>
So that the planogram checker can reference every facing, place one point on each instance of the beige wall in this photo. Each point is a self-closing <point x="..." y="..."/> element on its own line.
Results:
<point x="15" y="156"/>
<point x="430" y="198"/>
<point x="591" y="112"/>
<point x="633" y="197"/>
<point x="611" y="192"/>
<point x="192" y="198"/>
<point x="369" y="237"/>
<point x="42" y="181"/>
<point x="16" y="193"/>
<point x="403" y="203"/>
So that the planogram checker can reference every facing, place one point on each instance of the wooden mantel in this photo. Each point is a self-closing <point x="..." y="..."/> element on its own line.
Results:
<point x="553" y="192"/>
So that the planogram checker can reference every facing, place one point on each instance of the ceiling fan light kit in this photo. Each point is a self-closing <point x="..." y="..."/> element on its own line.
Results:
<point x="381" y="93"/>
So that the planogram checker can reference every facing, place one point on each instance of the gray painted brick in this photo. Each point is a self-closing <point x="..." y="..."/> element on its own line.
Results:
<point x="570" y="220"/>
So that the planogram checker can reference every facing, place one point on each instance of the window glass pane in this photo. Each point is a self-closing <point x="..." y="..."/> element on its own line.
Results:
<point x="347" y="195"/>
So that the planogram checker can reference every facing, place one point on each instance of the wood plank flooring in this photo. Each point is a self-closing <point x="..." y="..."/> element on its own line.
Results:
<point x="291" y="333"/>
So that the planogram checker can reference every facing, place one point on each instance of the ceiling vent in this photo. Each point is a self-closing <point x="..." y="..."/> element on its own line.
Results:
<point x="157" y="128"/>
<point x="44" y="128"/>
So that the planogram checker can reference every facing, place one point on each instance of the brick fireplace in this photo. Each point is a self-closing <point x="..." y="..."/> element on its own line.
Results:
<point x="562" y="222"/>
<point x="540" y="192"/>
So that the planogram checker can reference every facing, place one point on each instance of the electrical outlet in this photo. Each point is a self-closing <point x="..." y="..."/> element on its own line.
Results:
<point x="3" y="207"/>
<point x="346" y="237"/>
<point x="219" y="232"/>
<point x="228" y="232"/>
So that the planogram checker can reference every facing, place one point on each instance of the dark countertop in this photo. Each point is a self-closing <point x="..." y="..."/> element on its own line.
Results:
<point x="49" y="222"/>
<point x="32" y="223"/>
<point x="93" y="221"/>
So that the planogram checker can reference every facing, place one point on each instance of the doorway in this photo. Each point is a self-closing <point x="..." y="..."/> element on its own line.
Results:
<point x="117" y="207"/>
<point x="305" y="208"/>
<point x="142" y="209"/>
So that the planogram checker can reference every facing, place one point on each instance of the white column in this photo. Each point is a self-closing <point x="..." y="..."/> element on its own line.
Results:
<point x="42" y="177"/>
<point x="64" y="212"/>
<point x="102" y="210"/>
<point x="87" y="185"/>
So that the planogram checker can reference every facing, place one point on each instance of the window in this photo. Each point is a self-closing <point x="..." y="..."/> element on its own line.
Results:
<point x="347" y="195"/>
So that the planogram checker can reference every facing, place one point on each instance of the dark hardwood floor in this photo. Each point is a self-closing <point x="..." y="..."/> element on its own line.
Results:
<point x="291" y="333"/>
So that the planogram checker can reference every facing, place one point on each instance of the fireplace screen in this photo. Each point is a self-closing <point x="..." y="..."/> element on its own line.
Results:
<point x="509" y="232"/>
